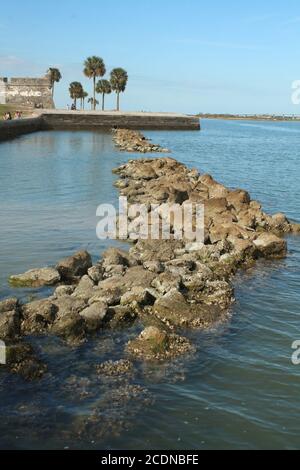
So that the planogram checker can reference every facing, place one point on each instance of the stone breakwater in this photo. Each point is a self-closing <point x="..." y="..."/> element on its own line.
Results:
<point x="166" y="286"/>
<point x="133" y="141"/>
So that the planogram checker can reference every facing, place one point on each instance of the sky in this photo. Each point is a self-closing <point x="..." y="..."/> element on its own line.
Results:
<point x="184" y="56"/>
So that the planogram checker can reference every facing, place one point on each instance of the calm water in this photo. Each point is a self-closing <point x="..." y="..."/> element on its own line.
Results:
<point x="241" y="389"/>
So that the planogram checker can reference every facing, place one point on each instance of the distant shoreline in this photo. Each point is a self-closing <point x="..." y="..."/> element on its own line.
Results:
<point x="237" y="117"/>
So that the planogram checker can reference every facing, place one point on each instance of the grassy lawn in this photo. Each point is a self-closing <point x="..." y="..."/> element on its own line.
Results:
<point x="4" y="108"/>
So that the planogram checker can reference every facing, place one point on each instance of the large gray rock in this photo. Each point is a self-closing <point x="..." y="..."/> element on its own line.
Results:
<point x="74" y="266"/>
<point x="116" y="256"/>
<point x="270" y="246"/>
<point x="138" y="295"/>
<point x="173" y="309"/>
<point x="112" y="289"/>
<point x="85" y="289"/>
<point x="121" y="316"/>
<point x="64" y="290"/>
<point x="94" y="315"/>
<point x="8" y="305"/>
<point x="36" y="278"/>
<point x="155" y="250"/>
<point x="9" y="325"/>
<point x="96" y="273"/>
<point x="68" y="323"/>
<point x="176" y="312"/>
<point x="166" y="282"/>
<point x="38" y="316"/>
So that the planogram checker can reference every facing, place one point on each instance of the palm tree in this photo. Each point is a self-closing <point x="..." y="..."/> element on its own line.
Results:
<point x="93" y="102"/>
<point x="55" y="76"/>
<point x="75" y="90"/>
<point x="118" y="81"/>
<point x="104" y="88"/>
<point x="84" y="96"/>
<point x="94" y="67"/>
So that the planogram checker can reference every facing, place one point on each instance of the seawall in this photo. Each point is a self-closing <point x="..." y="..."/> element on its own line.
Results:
<point x="108" y="120"/>
<point x="78" y="120"/>
<point x="11" y="129"/>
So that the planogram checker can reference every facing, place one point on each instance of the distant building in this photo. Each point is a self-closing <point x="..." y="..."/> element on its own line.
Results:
<point x="27" y="92"/>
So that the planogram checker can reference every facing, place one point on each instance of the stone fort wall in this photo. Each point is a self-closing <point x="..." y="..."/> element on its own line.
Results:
<point x="27" y="92"/>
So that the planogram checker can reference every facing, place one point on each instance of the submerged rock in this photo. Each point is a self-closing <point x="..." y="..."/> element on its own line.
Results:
<point x="9" y="325"/>
<point x="115" y="369"/>
<point x="36" y="278"/>
<point x="10" y="320"/>
<point x="21" y="360"/>
<point x="156" y="345"/>
<point x="68" y="323"/>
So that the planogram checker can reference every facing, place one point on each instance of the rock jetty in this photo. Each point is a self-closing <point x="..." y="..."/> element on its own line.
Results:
<point x="165" y="286"/>
<point x="133" y="141"/>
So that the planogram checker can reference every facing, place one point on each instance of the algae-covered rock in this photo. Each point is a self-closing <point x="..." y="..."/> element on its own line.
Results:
<point x="21" y="360"/>
<point x="155" y="344"/>
<point x="36" y="278"/>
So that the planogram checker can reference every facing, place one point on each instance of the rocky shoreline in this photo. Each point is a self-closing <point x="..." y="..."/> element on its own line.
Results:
<point x="133" y="141"/>
<point x="167" y="286"/>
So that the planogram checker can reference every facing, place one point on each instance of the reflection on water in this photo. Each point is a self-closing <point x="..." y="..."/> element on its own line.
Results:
<point x="50" y="187"/>
<point x="241" y="389"/>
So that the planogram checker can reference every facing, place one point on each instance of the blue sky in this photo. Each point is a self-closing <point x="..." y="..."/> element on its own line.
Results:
<point x="191" y="56"/>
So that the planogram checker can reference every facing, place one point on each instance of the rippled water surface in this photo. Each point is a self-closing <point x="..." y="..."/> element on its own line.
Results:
<point x="240" y="390"/>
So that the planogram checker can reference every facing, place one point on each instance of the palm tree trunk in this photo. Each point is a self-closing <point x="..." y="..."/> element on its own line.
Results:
<point x="94" y="78"/>
<point x="103" y="95"/>
<point x="118" y="101"/>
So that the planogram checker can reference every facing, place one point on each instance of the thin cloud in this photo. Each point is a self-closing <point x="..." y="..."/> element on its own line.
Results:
<point x="11" y="64"/>
<point x="10" y="61"/>
<point x="220" y="44"/>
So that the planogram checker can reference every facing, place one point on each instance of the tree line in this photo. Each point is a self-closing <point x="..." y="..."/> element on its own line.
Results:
<point x="94" y="67"/>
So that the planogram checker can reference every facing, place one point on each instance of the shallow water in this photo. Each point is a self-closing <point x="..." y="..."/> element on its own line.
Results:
<point x="240" y="390"/>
